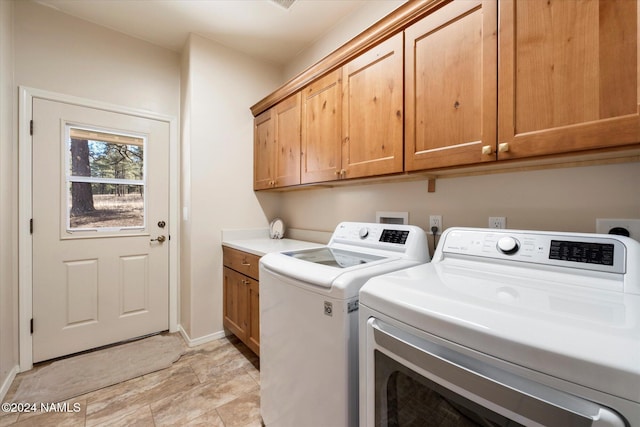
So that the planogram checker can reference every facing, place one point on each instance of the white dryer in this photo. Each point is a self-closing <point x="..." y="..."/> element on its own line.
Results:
<point x="309" y="321"/>
<point x="505" y="328"/>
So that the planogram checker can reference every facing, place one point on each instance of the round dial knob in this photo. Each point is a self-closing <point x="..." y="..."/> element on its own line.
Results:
<point x="508" y="245"/>
<point x="364" y="232"/>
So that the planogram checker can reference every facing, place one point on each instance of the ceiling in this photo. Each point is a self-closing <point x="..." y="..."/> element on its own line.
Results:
<point x="260" y="28"/>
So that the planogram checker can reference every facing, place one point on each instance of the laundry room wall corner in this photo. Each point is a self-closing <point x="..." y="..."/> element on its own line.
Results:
<point x="8" y="203"/>
<point x="217" y="171"/>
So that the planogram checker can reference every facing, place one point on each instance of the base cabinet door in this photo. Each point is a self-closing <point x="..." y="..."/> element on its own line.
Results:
<point x="253" y="332"/>
<point x="568" y="77"/>
<point x="235" y="303"/>
<point x="241" y="296"/>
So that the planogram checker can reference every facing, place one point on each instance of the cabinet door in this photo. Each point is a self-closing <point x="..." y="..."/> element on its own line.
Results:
<point x="568" y="76"/>
<point x="450" y="78"/>
<point x="372" y="111"/>
<point x="253" y="332"/>
<point x="235" y="296"/>
<point x="287" y="135"/>
<point x="264" y="151"/>
<point x="322" y="129"/>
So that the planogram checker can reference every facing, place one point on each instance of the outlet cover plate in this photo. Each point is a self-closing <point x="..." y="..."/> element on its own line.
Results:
<point x="435" y="221"/>
<point x="497" y="222"/>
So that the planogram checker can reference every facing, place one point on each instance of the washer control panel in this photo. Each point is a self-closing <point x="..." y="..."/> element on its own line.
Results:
<point x="576" y="250"/>
<point x="380" y="233"/>
<point x="397" y="238"/>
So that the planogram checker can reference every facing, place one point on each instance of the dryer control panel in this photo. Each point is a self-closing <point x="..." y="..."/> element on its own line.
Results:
<point x="572" y="250"/>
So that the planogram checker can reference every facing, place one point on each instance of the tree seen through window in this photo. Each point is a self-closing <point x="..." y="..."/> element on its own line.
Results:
<point x="106" y="181"/>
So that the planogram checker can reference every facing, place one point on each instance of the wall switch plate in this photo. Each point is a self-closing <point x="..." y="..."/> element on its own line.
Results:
<point x="497" y="222"/>
<point x="603" y="225"/>
<point x="435" y="221"/>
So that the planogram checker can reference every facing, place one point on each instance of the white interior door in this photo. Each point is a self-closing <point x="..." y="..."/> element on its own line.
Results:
<point x="100" y="213"/>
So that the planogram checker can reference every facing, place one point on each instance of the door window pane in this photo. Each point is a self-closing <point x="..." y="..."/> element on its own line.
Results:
<point x="105" y="180"/>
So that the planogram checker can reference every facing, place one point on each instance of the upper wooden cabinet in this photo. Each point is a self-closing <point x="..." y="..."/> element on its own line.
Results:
<point x="287" y="135"/>
<point x="482" y="80"/>
<point x="352" y="118"/>
<point x="277" y="145"/>
<point x="372" y="110"/>
<point x="451" y="78"/>
<point x="322" y="129"/>
<point x="263" y="151"/>
<point x="568" y="77"/>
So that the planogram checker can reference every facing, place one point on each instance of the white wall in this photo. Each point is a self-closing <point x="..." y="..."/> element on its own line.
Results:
<point x="567" y="199"/>
<point x="60" y="53"/>
<point x="8" y="203"/>
<point x="343" y="31"/>
<point x="217" y="185"/>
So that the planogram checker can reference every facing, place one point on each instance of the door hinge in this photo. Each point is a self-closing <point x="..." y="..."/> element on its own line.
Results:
<point x="31" y="326"/>
<point x="31" y="226"/>
<point x="31" y="127"/>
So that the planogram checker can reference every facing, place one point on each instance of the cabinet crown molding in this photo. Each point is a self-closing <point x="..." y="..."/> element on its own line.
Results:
<point x="388" y="26"/>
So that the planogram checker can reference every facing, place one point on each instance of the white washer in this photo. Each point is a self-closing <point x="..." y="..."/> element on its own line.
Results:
<point x="505" y="327"/>
<point x="309" y="321"/>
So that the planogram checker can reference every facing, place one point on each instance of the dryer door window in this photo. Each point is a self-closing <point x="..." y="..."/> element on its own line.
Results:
<point x="421" y="382"/>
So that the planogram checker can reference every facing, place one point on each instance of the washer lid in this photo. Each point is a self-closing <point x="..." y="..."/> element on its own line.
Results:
<point x="586" y="336"/>
<point x="334" y="257"/>
<point x="321" y="266"/>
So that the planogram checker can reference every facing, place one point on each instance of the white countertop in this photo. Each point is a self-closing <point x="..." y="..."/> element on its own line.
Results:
<point x="262" y="246"/>
<point x="257" y="242"/>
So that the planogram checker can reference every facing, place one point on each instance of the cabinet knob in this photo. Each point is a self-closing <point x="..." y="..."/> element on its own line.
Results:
<point x="504" y="147"/>
<point x="487" y="150"/>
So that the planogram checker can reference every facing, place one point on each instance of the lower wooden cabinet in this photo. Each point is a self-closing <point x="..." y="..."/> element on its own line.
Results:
<point x="241" y="296"/>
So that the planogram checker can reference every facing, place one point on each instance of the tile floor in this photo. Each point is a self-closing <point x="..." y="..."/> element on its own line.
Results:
<point x="215" y="384"/>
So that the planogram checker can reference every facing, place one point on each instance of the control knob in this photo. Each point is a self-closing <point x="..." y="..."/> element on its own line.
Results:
<point x="364" y="232"/>
<point x="508" y="245"/>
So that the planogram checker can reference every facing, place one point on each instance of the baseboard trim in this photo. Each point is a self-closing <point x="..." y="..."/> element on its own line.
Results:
<point x="6" y="384"/>
<point x="194" y="342"/>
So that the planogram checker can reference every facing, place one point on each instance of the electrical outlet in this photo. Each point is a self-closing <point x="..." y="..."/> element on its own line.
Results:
<point x="603" y="225"/>
<point x="497" y="222"/>
<point x="435" y="221"/>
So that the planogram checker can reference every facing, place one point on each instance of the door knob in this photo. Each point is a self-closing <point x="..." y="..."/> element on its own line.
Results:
<point x="159" y="239"/>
